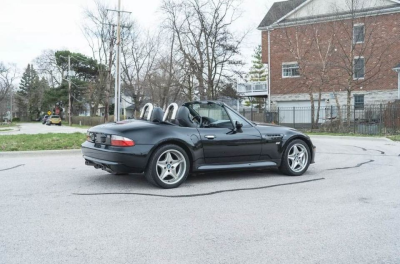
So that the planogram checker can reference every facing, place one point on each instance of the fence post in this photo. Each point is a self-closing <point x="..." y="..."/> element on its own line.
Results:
<point x="251" y="114"/>
<point x="331" y="114"/>
<point x="354" y="118"/>
<point x="380" y="119"/>
<point x="279" y="120"/>
<point x="294" y="117"/>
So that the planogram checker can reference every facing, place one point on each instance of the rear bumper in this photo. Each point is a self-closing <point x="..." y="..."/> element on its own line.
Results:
<point x="117" y="159"/>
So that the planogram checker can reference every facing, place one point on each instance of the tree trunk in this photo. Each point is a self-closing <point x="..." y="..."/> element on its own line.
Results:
<point x="348" y="107"/>
<point x="319" y="107"/>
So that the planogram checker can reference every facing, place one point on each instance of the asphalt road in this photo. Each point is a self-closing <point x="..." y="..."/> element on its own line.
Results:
<point x="346" y="209"/>
<point x="39" y="128"/>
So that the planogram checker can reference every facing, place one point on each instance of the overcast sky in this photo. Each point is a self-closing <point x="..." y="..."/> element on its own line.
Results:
<point x="27" y="27"/>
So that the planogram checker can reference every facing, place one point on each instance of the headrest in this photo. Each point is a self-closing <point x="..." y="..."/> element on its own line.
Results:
<point x="157" y="115"/>
<point x="183" y="117"/>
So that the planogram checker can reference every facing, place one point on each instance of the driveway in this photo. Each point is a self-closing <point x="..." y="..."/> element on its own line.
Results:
<point x="345" y="209"/>
<point x="38" y="128"/>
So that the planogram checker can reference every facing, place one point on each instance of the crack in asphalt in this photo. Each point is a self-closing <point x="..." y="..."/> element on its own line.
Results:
<point x="13" y="167"/>
<point x="382" y="152"/>
<point x="357" y="166"/>
<point x="200" y="194"/>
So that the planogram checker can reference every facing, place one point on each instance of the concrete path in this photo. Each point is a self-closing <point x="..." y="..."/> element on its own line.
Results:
<point x="38" y="128"/>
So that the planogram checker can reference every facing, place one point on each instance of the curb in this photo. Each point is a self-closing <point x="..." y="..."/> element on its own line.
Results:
<point x="353" y="138"/>
<point x="12" y="154"/>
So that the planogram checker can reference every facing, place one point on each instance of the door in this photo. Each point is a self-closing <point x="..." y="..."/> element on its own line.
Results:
<point x="222" y="143"/>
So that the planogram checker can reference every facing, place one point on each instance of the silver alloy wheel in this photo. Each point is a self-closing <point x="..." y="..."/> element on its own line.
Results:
<point x="171" y="166"/>
<point x="298" y="157"/>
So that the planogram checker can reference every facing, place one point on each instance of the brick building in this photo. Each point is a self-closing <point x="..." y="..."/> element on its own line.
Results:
<point x="338" y="51"/>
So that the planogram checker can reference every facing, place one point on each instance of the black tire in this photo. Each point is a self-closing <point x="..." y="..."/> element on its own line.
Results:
<point x="285" y="167"/>
<point x="152" y="169"/>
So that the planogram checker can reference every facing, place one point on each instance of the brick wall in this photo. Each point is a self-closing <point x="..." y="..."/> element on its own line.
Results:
<point x="381" y="50"/>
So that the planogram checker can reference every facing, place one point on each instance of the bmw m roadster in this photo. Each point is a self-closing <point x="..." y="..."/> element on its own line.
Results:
<point x="195" y="137"/>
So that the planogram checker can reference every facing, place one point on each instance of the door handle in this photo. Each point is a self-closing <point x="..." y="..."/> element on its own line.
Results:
<point x="210" y="136"/>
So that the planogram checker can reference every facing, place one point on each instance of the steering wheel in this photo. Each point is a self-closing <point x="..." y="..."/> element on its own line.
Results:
<point x="198" y="119"/>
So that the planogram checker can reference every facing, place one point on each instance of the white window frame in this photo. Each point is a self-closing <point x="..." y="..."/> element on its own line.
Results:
<point x="354" y="39"/>
<point x="361" y="107"/>
<point x="354" y="68"/>
<point x="289" y="63"/>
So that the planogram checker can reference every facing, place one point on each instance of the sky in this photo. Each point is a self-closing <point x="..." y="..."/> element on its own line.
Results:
<point x="27" y="27"/>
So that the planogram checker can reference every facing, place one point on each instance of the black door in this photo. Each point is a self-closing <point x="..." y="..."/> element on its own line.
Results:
<point x="223" y="145"/>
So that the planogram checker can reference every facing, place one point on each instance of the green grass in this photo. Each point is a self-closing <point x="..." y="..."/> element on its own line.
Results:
<point x="395" y="138"/>
<point x="341" y="134"/>
<point x="8" y="125"/>
<point x="65" y="123"/>
<point x="6" y="129"/>
<point x="41" y="142"/>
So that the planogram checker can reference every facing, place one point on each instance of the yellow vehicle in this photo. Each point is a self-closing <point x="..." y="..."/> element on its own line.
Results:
<point x="53" y="119"/>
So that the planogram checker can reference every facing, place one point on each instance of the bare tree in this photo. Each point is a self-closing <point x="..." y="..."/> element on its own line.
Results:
<point x="99" y="30"/>
<point x="139" y="51"/>
<point x="8" y="74"/>
<point x="205" y="39"/>
<point x="360" y="52"/>
<point x="48" y="68"/>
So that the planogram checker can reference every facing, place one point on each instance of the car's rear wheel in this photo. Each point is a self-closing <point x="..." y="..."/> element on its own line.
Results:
<point x="168" y="167"/>
<point x="296" y="158"/>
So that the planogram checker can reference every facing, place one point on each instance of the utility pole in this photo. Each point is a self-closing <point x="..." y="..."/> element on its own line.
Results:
<point x="69" y="90"/>
<point x="118" y="68"/>
<point x="109" y="76"/>
<point x="117" y="92"/>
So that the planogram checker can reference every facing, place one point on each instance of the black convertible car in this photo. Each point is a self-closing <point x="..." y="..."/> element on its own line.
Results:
<point x="196" y="137"/>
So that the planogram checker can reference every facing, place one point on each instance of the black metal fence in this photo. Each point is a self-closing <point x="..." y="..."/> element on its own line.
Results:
<point x="371" y="119"/>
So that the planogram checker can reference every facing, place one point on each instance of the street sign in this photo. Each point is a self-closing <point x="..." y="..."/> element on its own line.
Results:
<point x="49" y="112"/>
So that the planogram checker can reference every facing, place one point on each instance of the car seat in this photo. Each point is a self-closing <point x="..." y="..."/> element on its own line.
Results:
<point x="183" y="117"/>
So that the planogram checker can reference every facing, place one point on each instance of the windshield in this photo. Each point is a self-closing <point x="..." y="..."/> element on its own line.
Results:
<point x="213" y="115"/>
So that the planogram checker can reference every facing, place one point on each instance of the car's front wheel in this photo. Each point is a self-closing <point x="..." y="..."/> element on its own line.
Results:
<point x="168" y="167"/>
<point x="296" y="158"/>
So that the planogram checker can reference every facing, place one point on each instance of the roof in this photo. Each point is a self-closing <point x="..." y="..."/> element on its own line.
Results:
<point x="131" y="107"/>
<point x="279" y="10"/>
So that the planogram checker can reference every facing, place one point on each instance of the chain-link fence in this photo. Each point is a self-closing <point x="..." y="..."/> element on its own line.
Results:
<point x="369" y="119"/>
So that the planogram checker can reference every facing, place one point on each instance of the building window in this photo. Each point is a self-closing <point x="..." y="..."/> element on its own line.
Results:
<point x="290" y="70"/>
<point x="359" y="68"/>
<point x="358" y="33"/>
<point x="359" y="101"/>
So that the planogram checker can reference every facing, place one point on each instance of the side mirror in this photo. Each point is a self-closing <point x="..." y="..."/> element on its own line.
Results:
<point x="238" y="125"/>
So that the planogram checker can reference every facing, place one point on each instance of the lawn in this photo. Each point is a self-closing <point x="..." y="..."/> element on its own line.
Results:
<point x="41" y="142"/>
<point x="394" y="138"/>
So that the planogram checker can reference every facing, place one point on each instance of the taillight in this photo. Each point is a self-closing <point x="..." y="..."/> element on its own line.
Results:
<point x="119" y="141"/>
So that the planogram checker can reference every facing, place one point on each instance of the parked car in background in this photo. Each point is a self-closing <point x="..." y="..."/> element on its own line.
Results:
<point x="44" y="120"/>
<point x="53" y="119"/>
